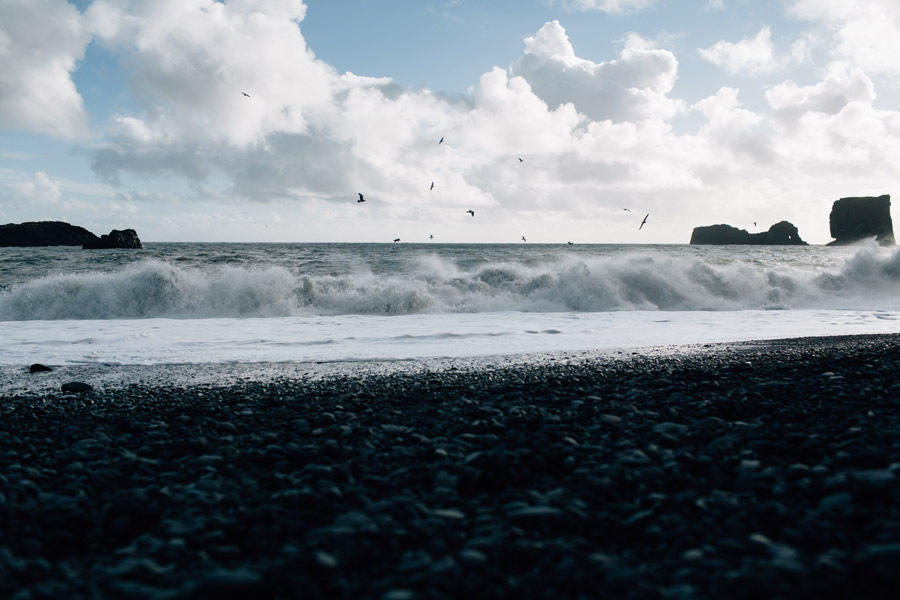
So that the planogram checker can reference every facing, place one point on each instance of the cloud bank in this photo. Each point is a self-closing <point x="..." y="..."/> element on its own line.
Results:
<point x="232" y="101"/>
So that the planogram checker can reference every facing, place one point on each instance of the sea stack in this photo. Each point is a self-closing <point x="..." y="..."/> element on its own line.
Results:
<point x="859" y="218"/>
<point x="127" y="238"/>
<point x="782" y="233"/>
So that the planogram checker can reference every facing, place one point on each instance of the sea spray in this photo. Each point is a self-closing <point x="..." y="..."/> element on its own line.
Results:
<point x="226" y="285"/>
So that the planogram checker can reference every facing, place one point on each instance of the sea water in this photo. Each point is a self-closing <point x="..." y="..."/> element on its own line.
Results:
<point x="186" y="303"/>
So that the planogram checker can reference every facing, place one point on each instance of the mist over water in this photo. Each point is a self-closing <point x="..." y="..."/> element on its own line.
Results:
<point x="201" y="281"/>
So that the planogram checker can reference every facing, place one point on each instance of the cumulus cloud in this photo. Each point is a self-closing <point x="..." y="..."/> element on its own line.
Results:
<point x="753" y="56"/>
<point x="867" y="34"/>
<point x="595" y="135"/>
<point x="41" y="42"/>
<point x="839" y="88"/>
<point x="633" y="87"/>
<point x="40" y="189"/>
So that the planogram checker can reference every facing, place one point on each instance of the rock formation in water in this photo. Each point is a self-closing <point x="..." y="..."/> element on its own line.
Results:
<point x="44" y="233"/>
<point x="782" y="233"/>
<point x="58" y="233"/>
<point x="859" y="218"/>
<point x="127" y="238"/>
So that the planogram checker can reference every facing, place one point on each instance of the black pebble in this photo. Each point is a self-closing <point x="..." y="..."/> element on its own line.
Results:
<point x="38" y="368"/>
<point x="76" y="386"/>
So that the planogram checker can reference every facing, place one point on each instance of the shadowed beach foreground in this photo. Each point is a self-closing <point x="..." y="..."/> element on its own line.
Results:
<point x="765" y="469"/>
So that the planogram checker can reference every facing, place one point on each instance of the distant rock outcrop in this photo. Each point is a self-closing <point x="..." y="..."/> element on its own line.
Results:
<point x="127" y="238"/>
<point x="779" y="234"/>
<point x="58" y="233"/>
<point x="859" y="218"/>
<point x="44" y="233"/>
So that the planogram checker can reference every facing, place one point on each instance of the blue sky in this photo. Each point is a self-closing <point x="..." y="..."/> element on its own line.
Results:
<point x="130" y="113"/>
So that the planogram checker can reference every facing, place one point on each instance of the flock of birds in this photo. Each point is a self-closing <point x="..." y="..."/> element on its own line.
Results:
<point x="472" y="212"/>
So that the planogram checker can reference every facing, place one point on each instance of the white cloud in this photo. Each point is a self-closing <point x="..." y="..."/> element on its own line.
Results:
<point x="609" y="6"/>
<point x="40" y="189"/>
<point x="595" y="137"/>
<point x="634" y="87"/>
<point x="865" y="34"/>
<point x="754" y="56"/>
<point x="839" y="88"/>
<point x="41" y="42"/>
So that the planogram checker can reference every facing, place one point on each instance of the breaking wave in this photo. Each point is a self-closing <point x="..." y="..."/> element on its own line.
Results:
<point x="639" y="281"/>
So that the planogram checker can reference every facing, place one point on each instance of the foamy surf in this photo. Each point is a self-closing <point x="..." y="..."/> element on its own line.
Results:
<point x="383" y="338"/>
<point x="679" y="279"/>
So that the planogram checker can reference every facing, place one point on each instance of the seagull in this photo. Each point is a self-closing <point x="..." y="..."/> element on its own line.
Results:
<point x="246" y="94"/>
<point x="754" y="223"/>
<point x="361" y="199"/>
<point x="396" y="240"/>
<point x="569" y="243"/>
<point x="520" y="160"/>
<point x="644" y="221"/>
<point x="523" y="239"/>
<point x="471" y="212"/>
<point x="627" y="209"/>
<point x="441" y="142"/>
<point x="430" y="237"/>
<point x="432" y="186"/>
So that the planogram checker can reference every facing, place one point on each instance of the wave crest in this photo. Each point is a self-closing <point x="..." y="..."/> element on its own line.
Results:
<point x="633" y="281"/>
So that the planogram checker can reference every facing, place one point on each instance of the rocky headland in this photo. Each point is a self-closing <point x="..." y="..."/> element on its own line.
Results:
<point x="59" y="233"/>
<point x="782" y="233"/>
<point x="859" y="218"/>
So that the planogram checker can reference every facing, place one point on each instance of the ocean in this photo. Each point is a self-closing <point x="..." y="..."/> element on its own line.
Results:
<point x="224" y="303"/>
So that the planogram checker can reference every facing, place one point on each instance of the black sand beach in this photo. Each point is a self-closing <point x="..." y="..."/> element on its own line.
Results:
<point x="755" y="470"/>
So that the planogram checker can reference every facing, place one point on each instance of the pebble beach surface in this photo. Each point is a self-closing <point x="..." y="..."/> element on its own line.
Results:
<point x="754" y="470"/>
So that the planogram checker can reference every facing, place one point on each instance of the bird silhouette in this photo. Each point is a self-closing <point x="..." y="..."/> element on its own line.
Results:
<point x="361" y="199"/>
<point x="754" y="223"/>
<point x="644" y="221"/>
<point x="471" y="212"/>
<point x="627" y="209"/>
<point x="441" y="142"/>
<point x="246" y="94"/>
<point x="520" y="160"/>
<point x="430" y="237"/>
<point x="432" y="186"/>
<point x="523" y="239"/>
<point x="396" y="240"/>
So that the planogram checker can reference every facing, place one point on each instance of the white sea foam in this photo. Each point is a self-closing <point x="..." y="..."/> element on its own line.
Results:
<point x="386" y="338"/>
<point x="869" y="280"/>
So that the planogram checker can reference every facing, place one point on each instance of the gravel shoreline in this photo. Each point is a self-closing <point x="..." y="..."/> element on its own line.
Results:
<point x="765" y="469"/>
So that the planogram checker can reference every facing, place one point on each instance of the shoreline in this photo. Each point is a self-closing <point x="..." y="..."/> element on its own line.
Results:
<point x="17" y="381"/>
<point x="753" y="469"/>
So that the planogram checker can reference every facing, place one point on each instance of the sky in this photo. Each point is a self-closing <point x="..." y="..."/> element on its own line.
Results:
<point x="561" y="120"/>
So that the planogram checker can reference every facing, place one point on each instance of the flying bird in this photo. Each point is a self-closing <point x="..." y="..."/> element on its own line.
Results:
<point x="644" y="221"/>
<point x="520" y="160"/>
<point x="396" y="240"/>
<point x="471" y="212"/>
<point x="361" y="199"/>
<point x="754" y="223"/>
<point x="627" y="209"/>
<point x="432" y="186"/>
<point x="246" y="94"/>
<point x="523" y="239"/>
<point x="441" y="142"/>
<point x="430" y="237"/>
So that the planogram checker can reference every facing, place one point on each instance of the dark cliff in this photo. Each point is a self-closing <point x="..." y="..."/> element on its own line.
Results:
<point x="58" y="233"/>
<point x="859" y="218"/>
<point x="44" y="233"/>
<point x="779" y="234"/>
